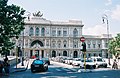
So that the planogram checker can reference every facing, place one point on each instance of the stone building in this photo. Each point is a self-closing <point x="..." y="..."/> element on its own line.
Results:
<point x="47" y="38"/>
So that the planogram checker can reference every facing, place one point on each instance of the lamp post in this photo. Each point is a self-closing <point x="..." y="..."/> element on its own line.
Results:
<point x="23" y="50"/>
<point x="105" y="17"/>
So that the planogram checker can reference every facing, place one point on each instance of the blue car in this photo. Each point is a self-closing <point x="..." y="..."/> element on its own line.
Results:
<point x="39" y="65"/>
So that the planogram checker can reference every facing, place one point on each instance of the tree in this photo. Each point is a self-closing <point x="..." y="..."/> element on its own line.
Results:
<point x="11" y="25"/>
<point x="114" y="46"/>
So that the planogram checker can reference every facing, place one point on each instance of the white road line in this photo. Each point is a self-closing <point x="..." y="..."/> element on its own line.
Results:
<point x="58" y="70"/>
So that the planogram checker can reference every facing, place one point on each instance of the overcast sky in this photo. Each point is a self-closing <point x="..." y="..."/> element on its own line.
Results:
<point x="89" y="11"/>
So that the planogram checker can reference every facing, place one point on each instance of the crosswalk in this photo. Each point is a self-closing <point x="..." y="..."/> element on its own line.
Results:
<point x="60" y="69"/>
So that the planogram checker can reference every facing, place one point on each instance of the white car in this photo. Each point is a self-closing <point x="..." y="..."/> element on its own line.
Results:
<point x="76" y="62"/>
<point x="99" y="61"/>
<point x="89" y="64"/>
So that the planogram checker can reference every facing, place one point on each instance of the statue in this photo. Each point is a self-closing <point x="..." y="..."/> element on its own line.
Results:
<point x="38" y="14"/>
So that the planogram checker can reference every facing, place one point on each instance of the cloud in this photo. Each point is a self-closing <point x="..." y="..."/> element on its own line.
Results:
<point x="96" y="30"/>
<point x="116" y="13"/>
<point x="109" y="2"/>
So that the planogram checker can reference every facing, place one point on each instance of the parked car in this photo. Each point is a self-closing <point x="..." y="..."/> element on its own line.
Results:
<point x="89" y="64"/>
<point x="69" y="61"/>
<point x="46" y="60"/>
<point x="99" y="61"/>
<point x="39" y="65"/>
<point x="76" y="62"/>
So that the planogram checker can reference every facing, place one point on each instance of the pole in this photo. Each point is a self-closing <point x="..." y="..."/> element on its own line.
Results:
<point x="106" y="17"/>
<point x="85" y="60"/>
<point x="108" y="42"/>
<point x="23" y="50"/>
<point x="16" y="55"/>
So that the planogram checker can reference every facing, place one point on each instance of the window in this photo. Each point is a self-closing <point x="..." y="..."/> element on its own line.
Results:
<point x="93" y="45"/>
<point x="37" y="32"/>
<point x="106" y="45"/>
<point x="65" y="43"/>
<point x="59" y="44"/>
<point x="43" y="32"/>
<point x="53" y="32"/>
<point x="88" y="45"/>
<point x="31" y="31"/>
<point x="47" y="43"/>
<point x="75" y="32"/>
<point x="64" y="32"/>
<point x="59" y="33"/>
<point x="99" y="45"/>
<point x="75" y="44"/>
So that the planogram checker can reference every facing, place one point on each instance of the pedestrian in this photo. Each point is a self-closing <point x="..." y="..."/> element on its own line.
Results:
<point x="115" y="66"/>
<point x="1" y="67"/>
<point x="6" y="66"/>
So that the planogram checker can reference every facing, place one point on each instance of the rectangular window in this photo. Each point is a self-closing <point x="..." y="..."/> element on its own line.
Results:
<point x="59" y="33"/>
<point x="88" y="45"/>
<point x="93" y="45"/>
<point x="99" y="46"/>
<point x="53" y="32"/>
<point x="64" y="33"/>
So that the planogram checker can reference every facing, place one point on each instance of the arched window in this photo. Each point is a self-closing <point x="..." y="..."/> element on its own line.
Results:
<point x="65" y="43"/>
<point x="43" y="32"/>
<point x="53" y="53"/>
<point x="37" y="32"/>
<point x="31" y="31"/>
<point x="75" y="55"/>
<point x="64" y="53"/>
<point x="75" y="32"/>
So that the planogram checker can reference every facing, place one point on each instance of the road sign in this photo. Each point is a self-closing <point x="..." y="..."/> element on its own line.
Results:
<point x="82" y="39"/>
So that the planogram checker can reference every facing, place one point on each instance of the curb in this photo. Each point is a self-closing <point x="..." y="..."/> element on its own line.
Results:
<point x="24" y="69"/>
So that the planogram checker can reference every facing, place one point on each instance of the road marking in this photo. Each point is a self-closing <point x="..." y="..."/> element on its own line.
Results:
<point x="58" y="69"/>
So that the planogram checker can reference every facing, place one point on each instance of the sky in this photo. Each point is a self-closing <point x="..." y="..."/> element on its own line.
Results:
<point x="90" y="12"/>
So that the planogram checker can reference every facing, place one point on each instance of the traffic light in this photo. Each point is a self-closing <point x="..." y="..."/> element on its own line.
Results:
<point x="83" y="47"/>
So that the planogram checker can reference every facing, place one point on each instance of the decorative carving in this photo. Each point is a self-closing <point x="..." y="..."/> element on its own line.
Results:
<point x="38" y="14"/>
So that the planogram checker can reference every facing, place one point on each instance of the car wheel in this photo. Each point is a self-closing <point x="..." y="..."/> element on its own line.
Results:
<point x="32" y="71"/>
<point x="105" y="66"/>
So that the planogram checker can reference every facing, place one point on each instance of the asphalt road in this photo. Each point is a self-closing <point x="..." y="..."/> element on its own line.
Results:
<point x="57" y="70"/>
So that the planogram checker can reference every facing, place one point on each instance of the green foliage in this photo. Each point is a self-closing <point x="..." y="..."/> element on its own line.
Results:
<point x="11" y="24"/>
<point x="114" y="45"/>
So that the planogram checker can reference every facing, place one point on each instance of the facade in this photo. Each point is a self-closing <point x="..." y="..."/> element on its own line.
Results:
<point x="47" y="38"/>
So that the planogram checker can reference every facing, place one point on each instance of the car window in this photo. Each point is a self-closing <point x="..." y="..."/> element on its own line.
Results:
<point x="78" y="59"/>
<point x="38" y="62"/>
<point x="87" y="61"/>
<point x="99" y="59"/>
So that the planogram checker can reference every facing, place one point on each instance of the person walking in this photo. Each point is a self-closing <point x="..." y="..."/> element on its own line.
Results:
<point x="6" y="66"/>
<point x="1" y="67"/>
<point x="115" y="66"/>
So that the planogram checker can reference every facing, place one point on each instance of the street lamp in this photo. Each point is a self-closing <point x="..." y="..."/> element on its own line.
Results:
<point x="23" y="50"/>
<point x="105" y="17"/>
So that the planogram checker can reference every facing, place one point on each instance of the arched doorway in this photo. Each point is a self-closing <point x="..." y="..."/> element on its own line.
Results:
<point x="75" y="55"/>
<point x="35" y="45"/>
<point x="53" y="53"/>
<point x="64" y="53"/>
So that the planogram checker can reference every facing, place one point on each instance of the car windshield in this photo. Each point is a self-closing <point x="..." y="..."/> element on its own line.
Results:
<point x="38" y="62"/>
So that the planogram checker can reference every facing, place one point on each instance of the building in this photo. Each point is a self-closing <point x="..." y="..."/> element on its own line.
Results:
<point x="47" y="38"/>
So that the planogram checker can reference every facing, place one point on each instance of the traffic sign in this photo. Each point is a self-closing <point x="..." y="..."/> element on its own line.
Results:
<point x="82" y="39"/>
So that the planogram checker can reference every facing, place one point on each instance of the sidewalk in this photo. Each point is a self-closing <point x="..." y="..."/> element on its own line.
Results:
<point x="19" y="67"/>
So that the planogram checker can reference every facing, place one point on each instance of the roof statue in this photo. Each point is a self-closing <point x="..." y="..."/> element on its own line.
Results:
<point x="38" y="14"/>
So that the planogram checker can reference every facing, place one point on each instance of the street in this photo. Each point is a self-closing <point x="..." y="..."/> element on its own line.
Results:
<point x="60" y="70"/>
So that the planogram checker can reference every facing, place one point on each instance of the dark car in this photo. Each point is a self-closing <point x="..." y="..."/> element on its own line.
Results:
<point x="39" y="65"/>
<point x="46" y="60"/>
